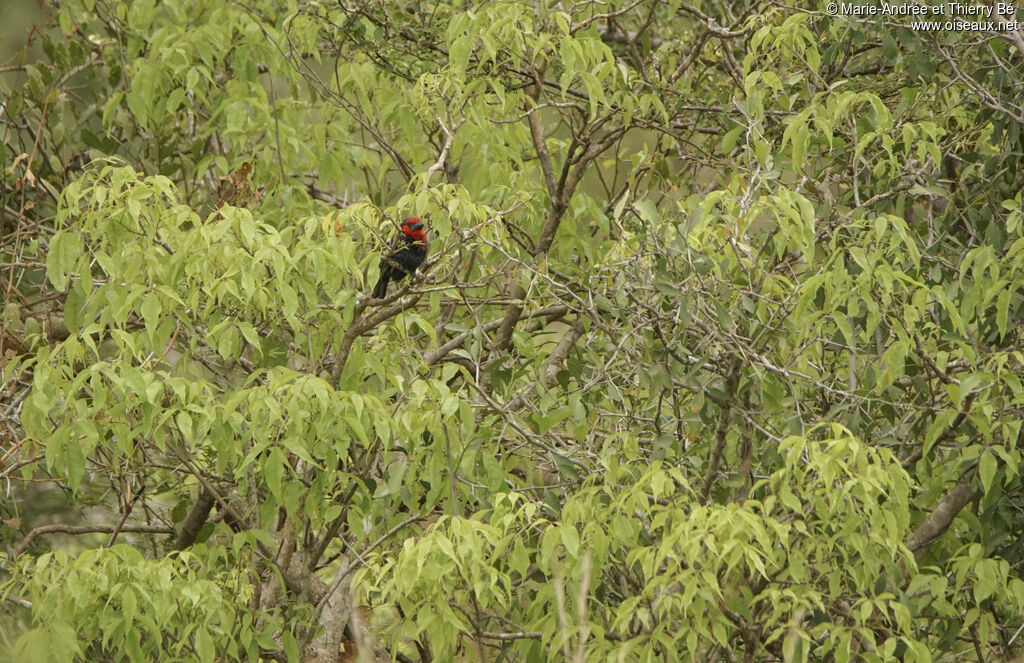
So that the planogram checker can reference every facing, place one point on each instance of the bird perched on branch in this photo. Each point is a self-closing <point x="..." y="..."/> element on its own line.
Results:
<point x="408" y="252"/>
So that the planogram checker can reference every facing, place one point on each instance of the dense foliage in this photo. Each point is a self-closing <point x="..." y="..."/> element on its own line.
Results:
<point x="716" y="354"/>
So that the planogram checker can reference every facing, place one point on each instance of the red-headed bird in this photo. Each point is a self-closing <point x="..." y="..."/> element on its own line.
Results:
<point x="408" y="254"/>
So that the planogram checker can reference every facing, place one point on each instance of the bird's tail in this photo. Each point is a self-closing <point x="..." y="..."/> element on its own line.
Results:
<point x="381" y="289"/>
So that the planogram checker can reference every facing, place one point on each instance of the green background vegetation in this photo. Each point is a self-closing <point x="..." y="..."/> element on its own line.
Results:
<point x="716" y="355"/>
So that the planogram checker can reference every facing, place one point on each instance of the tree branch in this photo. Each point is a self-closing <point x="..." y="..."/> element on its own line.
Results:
<point x="43" y="530"/>
<point x="940" y="518"/>
<point x="732" y="381"/>
<point x="197" y="517"/>
<point x="561" y="351"/>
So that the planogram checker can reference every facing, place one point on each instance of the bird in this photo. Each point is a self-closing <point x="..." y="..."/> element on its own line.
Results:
<point x="410" y="249"/>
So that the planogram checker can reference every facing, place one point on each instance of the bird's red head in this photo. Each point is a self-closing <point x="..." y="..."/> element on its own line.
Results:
<point x="414" y="228"/>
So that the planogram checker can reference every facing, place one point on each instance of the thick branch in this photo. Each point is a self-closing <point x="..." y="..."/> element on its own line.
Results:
<point x="434" y="356"/>
<point x="561" y="351"/>
<point x="560" y="202"/>
<point x="88" y="529"/>
<point x="540" y="144"/>
<point x="508" y="323"/>
<point x="939" y="520"/>
<point x="721" y="429"/>
<point x="197" y="517"/>
<point x="560" y="193"/>
<point x="442" y="158"/>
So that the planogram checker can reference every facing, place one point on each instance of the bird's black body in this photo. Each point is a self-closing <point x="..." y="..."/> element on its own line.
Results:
<point x="410" y="251"/>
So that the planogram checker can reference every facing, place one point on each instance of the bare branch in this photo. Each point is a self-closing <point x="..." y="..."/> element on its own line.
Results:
<point x="442" y="158"/>
<point x="561" y="351"/>
<point x="43" y="530"/>
<point x="940" y="518"/>
<point x="540" y="144"/>
<point x="195" y="520"/>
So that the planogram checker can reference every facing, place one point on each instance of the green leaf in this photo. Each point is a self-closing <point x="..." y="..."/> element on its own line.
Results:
<point x="151" y="311"/>
<point x="1002" y="311"/>
<point x="250" y="335"/>
<point x="648" y="210"/>
<point x="75" y="462"/>
<point x="204" y="646"/>
<point x="987" y="579"/>
<point x="184" y="422"/>
<point x="730" y="138"/>
<point x="133" y="645"/>
<point x="570" y="539"/>
<point x="137" y="106"/>
<point x="73" y="305"/>
<point x="937" y="428"/>
<point x="291" y="646"/>
<point x="987" y="466"/>
<point x="800" y="140"/>
<point x="61" y="258"/>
